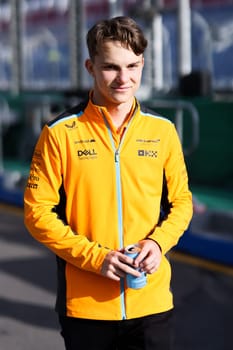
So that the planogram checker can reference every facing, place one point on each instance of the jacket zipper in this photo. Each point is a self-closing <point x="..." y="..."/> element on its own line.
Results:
<point x="120" y="225"/>
<point x="119" y="197"/>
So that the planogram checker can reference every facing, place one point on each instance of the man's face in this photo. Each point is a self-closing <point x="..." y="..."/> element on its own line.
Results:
<point x="117" y="74"/>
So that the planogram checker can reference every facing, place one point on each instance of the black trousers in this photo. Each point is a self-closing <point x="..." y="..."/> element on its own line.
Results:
<point x="152" y="332"/>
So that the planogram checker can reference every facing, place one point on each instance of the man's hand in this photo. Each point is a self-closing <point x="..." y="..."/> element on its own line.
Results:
<point x="150" y="256"/>
<point x="117" y="265"/>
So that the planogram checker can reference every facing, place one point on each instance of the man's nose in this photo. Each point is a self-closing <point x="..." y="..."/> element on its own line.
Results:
<point x="122" y="75"/>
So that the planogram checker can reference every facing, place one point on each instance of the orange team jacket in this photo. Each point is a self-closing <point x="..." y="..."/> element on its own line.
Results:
<point x="89" y="192"/>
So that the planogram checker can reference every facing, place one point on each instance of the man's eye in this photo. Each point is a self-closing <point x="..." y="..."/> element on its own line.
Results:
<point x="110" y="67"/>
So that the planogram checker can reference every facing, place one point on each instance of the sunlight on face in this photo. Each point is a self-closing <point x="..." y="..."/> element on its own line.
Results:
<point x="117" y="74"/>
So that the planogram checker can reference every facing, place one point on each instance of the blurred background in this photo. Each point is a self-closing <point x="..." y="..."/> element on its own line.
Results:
<point x="188" y="74"/>
<point x="188" y="78"/>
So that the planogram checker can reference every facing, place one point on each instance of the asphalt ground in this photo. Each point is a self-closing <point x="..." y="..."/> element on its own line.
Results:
<point x="203" y="295"/>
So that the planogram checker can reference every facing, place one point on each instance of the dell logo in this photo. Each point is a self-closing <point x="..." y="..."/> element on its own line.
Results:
<point x="86" y="153"/>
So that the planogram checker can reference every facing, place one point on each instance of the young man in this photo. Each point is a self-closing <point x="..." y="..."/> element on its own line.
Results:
<point x="99" y="176"/>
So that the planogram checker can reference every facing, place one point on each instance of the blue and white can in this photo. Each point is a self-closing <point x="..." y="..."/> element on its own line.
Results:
<point x="134" y="282"/>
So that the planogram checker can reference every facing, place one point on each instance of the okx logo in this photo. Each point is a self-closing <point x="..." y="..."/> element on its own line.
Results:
<point x="147" y="153"/>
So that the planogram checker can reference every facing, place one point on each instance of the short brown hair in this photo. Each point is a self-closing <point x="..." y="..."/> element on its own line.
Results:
<point x="123" y="29"/>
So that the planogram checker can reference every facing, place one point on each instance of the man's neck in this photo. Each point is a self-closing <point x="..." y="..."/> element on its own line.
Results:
<point x="119" y="114"/>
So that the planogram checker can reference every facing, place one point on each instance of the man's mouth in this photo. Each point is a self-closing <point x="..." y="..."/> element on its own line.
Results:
<point x="121" y="88"/>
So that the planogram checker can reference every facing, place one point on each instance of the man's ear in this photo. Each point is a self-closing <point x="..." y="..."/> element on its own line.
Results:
<point x="89" y="66"/>
<point x="143" y="61"/>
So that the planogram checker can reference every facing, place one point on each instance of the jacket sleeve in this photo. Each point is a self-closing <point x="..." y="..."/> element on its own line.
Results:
<point x="179" y="197"/>
<point x="42" y="195"/>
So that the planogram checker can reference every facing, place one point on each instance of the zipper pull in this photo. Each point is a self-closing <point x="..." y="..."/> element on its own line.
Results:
<point x="117" y="156"/>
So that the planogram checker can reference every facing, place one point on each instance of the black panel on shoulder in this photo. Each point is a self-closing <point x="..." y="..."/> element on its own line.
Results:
<point x="145" y="109"/>
<point x="73" y="110"/>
